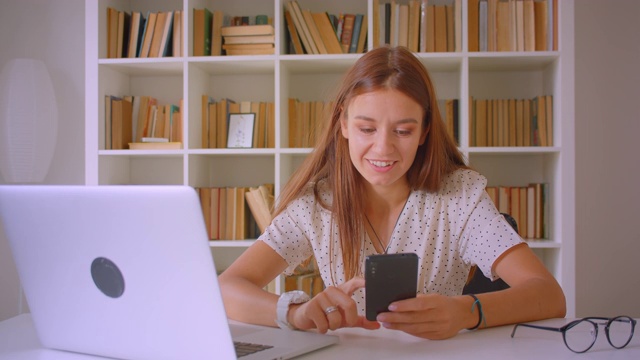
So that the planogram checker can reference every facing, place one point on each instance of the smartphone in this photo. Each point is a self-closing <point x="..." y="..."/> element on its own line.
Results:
<point x="389" y="278"/>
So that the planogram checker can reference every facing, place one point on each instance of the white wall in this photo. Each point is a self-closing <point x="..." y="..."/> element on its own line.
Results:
<point x="607" y="172"/>
<point x="52" y="31"/>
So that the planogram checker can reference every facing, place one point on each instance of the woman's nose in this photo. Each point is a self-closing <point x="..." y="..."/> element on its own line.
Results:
<point x="383" y="143"/>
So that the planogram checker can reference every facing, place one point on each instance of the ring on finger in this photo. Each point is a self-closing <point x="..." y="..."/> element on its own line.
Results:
<point x="330" y="309"/>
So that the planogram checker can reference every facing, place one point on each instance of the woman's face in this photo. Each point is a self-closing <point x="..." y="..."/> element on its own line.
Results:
<point x="384" y="130"/>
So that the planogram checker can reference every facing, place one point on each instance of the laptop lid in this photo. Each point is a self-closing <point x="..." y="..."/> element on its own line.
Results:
<point x="121" y="271"/>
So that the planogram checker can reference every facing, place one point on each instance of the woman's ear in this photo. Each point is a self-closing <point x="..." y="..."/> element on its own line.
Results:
<point x="343" y="124"/>
<point x="423" y="137"/>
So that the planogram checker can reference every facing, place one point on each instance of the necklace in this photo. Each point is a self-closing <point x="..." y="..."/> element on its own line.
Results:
<point x="394" y="227"/>
<point x="376" y="235"/>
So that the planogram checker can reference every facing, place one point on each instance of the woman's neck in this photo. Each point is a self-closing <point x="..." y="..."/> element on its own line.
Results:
<point x="385" y="199"/>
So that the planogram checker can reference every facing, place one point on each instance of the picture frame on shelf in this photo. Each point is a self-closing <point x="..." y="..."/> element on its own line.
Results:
<point x="241" y="130"/>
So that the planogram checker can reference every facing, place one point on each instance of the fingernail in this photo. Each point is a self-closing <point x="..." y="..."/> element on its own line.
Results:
<point x="393" y="307"/>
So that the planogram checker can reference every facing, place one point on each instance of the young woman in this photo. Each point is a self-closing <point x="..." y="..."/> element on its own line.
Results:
<point x="386" y="177"/>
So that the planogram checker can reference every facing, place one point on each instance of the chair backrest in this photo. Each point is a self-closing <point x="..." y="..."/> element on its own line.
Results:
<point x="477" y="283"/>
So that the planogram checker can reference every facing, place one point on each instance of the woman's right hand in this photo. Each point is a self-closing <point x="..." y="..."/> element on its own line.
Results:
<point x="314" y="314"/>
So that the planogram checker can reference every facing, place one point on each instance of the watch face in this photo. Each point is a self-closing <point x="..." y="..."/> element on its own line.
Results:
<point x="298" y="296"/>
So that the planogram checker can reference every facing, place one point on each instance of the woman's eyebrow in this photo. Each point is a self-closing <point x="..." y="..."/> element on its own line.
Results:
<point x="398" y="122"/>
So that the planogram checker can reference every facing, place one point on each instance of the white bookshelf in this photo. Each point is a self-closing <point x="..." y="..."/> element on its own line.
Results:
<point x="277" y="77"/>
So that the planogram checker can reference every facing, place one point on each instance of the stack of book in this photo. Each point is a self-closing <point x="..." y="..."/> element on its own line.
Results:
<point x="323" y="33"/>
<point x="227" y="216"/>
<point x="511" y="122"/>
<point x="421" y="26"/>
<point x="306" y="121"/>
<point x="248" y="39"/>
<point x="528" y="205"/>
<point x="140" y="123"/>
<point x="136" y="35"/>
<point x="215" y="121"/>
<point x="513" y="25"/>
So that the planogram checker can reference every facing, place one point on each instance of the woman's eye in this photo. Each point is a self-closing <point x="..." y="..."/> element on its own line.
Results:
<point x="403" y="132"/>
<point x="367" y="130"/>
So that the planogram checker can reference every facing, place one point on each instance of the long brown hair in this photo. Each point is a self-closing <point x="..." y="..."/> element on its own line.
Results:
<point x="381" y="68"/>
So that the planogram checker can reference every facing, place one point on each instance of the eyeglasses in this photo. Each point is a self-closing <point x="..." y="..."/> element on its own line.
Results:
<point x="580" y="335"/>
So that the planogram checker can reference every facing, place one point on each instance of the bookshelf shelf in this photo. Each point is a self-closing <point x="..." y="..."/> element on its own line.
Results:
<point x="275" y="78"/>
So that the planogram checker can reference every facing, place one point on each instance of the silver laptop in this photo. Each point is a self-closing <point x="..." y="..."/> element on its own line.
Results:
<point x="127" y="272"/>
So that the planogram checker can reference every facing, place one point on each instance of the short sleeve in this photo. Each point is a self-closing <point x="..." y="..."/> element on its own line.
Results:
<point x="287" y="234"/>
<point x="487" y="236"/>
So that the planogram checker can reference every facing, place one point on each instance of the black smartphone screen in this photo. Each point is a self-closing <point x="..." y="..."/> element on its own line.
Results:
<point x="389" y="278"/>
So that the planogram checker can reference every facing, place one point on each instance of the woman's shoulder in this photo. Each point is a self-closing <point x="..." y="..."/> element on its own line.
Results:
<point x="315" y="193"/>
<point x="463" y="180"/>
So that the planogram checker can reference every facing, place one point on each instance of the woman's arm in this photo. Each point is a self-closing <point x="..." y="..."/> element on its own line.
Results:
<point x="533" y="292"/>
<point x="242" y="285"/>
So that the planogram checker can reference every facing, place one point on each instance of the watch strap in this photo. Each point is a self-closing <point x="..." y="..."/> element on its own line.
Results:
<point x="282" y="308"/>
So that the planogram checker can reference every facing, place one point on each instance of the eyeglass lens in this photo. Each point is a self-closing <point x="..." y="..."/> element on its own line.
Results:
<point x="581" y="336"/>
<point x="620" y="331"/>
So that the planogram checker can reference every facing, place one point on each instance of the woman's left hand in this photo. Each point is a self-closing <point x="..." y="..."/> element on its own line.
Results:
<point x="429" y="316"/>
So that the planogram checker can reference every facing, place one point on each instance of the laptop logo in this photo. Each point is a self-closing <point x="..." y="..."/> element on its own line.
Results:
<point x="107" y="277"/>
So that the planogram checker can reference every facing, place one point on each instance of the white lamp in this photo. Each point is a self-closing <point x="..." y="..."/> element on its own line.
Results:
<point x="28" y="121"/>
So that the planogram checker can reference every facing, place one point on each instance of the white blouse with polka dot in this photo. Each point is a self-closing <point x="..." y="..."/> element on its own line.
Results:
<point x="451" y="230"/>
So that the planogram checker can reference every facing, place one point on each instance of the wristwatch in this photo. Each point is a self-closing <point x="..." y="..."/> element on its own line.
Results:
<point x="282" y="309"/>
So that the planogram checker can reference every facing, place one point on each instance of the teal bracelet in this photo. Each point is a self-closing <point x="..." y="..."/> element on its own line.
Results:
<point x="478" y="304"/>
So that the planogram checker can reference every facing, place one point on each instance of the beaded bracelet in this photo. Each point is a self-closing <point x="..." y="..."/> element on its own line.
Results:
<point x="477" y="303"/>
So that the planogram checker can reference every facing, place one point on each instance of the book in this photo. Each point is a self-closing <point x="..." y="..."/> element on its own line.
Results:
<point x="205" y="203"/>
<point x="250" y="39"/>
<point x="177" y="34"/>
<point x="402" y="25"/>
<point x="134" y="34"/>
<point x="347" y="32"/>
<point x="413" y="26"/>
<point x="327" y="34"/>
<point x="422" y="20"/>
<point x="474" y="25"/>
<point x="376" y="23"/>
<point x="363" y="35"/>
<point x="112" y="32"/>
<point x="255" y="46"/>
<point x="457" y="25"/>
<point x="355" y="37"/>
<point x="166" y="40"/>
<point x="248" y="49"/>
<point x="216" y="32"/>
<point x="481" y="122"/>
<point x="202" y="32"/>
<point x="492" y="6"/>
<point x="148" y="35"/>
<point x="549" y="118"/>
<point x="540" y="14"/>
<point x="522" y="222"/>
<point x="482" y="26"/>
<point x="214" y="213"/>
<point x="260" y="202"/>
<point x="450" y="28"/>
<point x="293" y="33"/>
<point x="244" y="30"/>
<point x="154" y="49"/>
<point x="519" y="25"/>
<point x="301" y="26"/>
<point x="121" y="111"/>
<point x="503" y="27"/>
<point x="529" y="26"/>
<point x="440" y="19"/>
<point x="120" y="34"/>
<point x="155" y="145"/>
<point x="313" y="30"/>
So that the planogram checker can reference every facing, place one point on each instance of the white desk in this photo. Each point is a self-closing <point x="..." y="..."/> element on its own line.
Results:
<point x="18" y="341"/>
